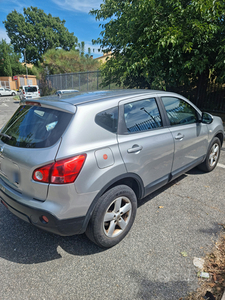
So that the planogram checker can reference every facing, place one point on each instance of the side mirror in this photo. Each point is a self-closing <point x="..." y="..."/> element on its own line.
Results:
<point x="206" y="118"/>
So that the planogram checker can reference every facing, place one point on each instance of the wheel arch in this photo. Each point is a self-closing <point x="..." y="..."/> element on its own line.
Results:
<point x="129" y="179"/>
<point x="220" y="136"/>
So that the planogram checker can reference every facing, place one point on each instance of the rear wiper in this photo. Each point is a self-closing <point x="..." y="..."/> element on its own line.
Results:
<point x="5" y="135"/>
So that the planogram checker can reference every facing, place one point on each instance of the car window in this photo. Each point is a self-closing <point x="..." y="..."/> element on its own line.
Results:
<point x="35" y="127"/>
<point x="142" y="115"/>
<point x="30" y="89"/>
<point x="108" y="119"/>
<point x="179" y="111"/>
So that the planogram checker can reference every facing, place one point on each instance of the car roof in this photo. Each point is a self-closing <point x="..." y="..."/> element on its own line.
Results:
<point x="68" y="101"/>
<point x="80" y="98"/>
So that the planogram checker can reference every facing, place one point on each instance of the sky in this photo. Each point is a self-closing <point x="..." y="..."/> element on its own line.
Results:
<point x="74" y="12"/>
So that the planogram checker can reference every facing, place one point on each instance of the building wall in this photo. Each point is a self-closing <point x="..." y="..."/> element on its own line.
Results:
<point x="22" y="80"/>
<point x="103" y="58"/>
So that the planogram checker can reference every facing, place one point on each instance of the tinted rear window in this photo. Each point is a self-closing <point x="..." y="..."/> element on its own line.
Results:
<point x="108" y="119"/>
<point x="30" y="89"/>
<point x="35" y="127"/>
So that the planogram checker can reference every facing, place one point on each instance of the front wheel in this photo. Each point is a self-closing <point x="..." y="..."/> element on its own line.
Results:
<point x="112" y="217"/>
<point x="13" y="94"/>
<point x="212" y="156"/>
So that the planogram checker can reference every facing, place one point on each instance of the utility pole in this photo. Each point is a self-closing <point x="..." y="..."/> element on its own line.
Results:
<point x="25" y="63"/>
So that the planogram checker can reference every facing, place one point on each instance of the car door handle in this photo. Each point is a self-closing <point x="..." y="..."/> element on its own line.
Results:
<point x="179" y="137"/>
<point x="135" y="149"/>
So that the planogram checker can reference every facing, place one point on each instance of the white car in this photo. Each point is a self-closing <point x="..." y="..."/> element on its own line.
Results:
<point x="7" y="92"/>
<point x="60" y="92"/>
<point x="29" y="92"/>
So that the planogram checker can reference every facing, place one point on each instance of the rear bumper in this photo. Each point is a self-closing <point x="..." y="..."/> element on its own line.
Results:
<point x="33" y="216"/>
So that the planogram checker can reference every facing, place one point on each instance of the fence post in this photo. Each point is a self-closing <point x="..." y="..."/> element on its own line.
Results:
<point x="97" y="80"/>
<point x="87" y="81"/>
<point x="79" y="81"/>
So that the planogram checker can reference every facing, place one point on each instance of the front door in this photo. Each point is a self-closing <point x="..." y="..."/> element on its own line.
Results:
<point x="190" y="136"/>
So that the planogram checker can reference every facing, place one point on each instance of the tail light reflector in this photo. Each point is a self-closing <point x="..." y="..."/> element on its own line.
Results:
<point x="61" y="172"/>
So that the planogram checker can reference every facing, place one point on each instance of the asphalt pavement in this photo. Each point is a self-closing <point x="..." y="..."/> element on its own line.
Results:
<point x="183" y="216"/>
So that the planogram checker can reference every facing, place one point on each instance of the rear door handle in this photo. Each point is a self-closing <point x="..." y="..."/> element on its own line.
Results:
<point x="179" y="137"/>
<point x="135" y="149"/>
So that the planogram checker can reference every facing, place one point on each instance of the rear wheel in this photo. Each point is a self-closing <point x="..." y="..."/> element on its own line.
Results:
<point x="212" y="156"/>
<point x="13" y="94"/>
<point x="112" y="217"/>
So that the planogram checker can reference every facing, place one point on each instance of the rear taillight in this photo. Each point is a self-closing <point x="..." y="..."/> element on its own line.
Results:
<point x="61" y="172"/>
<point x="43" y="174"/>
<point x="38" y="92"/>
<point x="33" y="103"/>
<point x="23" y="92"/>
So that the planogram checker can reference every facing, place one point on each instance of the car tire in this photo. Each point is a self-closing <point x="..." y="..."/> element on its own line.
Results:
<point x="13" y="94"/>
<point x="212" y="156"/>
<point x="113" y="216"/>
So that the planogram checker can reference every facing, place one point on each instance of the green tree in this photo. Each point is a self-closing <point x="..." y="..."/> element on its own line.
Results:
<point x="60" y="61"/>
<point x="10" y="61"/>
<point x="5" y="63"/>
<point x="37" y="32"/>
<point x="162" y="43"/>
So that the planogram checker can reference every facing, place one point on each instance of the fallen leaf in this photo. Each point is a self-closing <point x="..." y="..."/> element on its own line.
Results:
<point x="184" y="253"/>
<point x="160" y="206"/>
<point x="211" y="284"/>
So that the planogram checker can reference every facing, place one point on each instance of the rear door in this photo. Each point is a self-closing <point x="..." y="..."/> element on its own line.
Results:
<point x="29" y="140"/>
<point x="31" y="91"/>
<point x="190" y="136"/>
<point x="146" y="146"/>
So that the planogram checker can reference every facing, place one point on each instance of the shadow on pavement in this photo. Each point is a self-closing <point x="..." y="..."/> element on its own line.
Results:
<point x="23" y="243"/>
<point x="165" y="286"/>
<point x="161" y="190"/>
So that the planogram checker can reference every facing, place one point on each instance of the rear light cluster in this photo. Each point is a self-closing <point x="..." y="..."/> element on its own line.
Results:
<point x="61" y="172"/>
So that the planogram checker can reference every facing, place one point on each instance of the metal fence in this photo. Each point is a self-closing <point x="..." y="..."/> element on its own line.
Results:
<point x="210" y="98"/>
<point x="82" y="81"/>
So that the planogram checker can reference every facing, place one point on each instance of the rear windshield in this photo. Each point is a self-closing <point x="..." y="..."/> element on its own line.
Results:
<point x="30" y="89"/>
<point x="35" y="127"/>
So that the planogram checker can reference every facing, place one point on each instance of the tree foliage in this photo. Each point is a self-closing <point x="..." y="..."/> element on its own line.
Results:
<point x="5" y="64"/>
<point x="60" y="61"/>
<point x="10" y="61"/>
<point x="159" y="43"/>
<point x="37" y="32"/>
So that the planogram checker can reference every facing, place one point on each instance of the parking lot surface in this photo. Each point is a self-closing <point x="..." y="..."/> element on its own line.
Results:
<point x="183" y="216"/>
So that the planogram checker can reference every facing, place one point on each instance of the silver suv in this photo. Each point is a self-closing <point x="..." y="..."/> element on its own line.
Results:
<point x="80" y="163"/>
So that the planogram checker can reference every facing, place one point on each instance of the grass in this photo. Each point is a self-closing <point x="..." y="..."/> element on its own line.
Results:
<point x="17" y="98"/>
